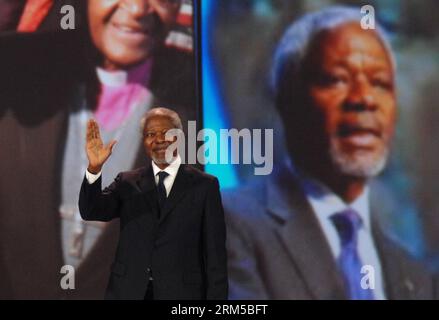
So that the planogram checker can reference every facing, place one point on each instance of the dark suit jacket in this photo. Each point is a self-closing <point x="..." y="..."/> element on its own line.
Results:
<point x="39" y="77"/>
<point x="278" y="251"/>
<point x="184" y="249"/>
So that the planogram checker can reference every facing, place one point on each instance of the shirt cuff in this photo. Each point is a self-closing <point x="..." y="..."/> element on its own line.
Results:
<point x="91" y="178"/>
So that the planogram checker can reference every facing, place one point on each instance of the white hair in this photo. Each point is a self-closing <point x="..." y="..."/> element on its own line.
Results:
<point x="294" y="45"/>
<point x="164" y="112"/>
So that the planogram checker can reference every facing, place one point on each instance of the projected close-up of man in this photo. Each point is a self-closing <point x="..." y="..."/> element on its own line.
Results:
<point x="349" y="83"/>
<point x="319" y="223"/>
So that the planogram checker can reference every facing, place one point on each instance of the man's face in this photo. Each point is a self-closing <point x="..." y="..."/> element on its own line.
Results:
<point x="127" y="31"/>
<point x="350" y="89"/>
<point x="154" y="138"/>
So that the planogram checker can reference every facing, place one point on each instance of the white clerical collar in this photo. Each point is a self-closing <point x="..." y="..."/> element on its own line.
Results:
<point x="115" y="78"/>
<point x="171" y="169"/>
<point x="139" y="74"/>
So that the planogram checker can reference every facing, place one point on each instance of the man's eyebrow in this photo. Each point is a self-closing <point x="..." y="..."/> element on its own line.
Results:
<point x="332" y="66"/>
<point x="373" y="64"/>
<point x="158" y="130"/>
<point x="380" y="69"/>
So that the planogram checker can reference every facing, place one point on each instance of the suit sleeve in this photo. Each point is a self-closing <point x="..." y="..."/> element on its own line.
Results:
<point x="245" y="279"/>
<point x="99" y="205"/>
<point x="214" y="245"/>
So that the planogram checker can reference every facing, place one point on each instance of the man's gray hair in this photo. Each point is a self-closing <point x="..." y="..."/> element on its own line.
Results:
<point x="164" y="112"/>
<point x="294" y="46"/>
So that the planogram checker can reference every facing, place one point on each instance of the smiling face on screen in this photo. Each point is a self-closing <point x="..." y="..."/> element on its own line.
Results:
<point x="127" y="32"/>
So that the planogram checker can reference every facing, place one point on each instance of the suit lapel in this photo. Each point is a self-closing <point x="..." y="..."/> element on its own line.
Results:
<point x="398" y="283"/>
<point x="148" y="188"/>
<point x="178" y="190"/>
<point x="300" y="234"/>
<point x="403" y="276"/>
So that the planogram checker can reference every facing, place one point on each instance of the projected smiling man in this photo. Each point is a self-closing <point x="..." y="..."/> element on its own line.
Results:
<point x="172" y="229"/>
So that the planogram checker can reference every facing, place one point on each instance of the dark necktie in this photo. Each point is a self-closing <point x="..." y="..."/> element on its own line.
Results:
<point x="347" y="224"/>
<point x="161" y="188"/>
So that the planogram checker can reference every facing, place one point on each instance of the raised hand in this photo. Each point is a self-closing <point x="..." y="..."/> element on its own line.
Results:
<point x="97" y="153"/>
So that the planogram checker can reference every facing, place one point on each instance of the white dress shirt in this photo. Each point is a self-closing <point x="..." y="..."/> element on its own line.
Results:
<point x="171" y="170"/>
<point x="325" y="203"/>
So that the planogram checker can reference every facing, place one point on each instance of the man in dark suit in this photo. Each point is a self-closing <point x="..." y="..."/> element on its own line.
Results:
<point x="172" y="230"/>
<point x="310" y="230"/>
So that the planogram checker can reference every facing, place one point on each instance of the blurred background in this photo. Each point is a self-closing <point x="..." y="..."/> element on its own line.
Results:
<point x="239" y="38"/>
